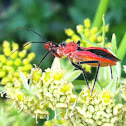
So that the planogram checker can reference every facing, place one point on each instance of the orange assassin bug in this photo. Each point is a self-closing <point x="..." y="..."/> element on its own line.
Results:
<point x="94" y="56"/>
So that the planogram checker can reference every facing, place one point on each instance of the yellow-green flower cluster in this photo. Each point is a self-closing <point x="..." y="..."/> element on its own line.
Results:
<point x="56" y="90"/>
<point x="41" y="91"/>
<point x="92" y="34"/>
<point x="45" y="90"/>
<point x="28" y="96"/>
<point x="20" y="60"/>
<point x="56" y="122"/>
<point x="98" y="110"/>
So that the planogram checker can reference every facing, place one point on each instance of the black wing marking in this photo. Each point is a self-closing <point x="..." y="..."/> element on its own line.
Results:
<point x="104" y="54"/>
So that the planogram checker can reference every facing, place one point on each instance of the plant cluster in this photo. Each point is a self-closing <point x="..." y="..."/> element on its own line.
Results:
<point x="54" y="94"/>
<point x="9" y="66"/>
<point x="52" y="90"/>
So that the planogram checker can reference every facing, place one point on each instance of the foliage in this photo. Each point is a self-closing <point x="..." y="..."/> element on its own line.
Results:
<point x="54" y="97"/>
<point x="9" y="116"/>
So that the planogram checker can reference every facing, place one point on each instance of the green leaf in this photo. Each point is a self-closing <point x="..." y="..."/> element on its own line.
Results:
<point x="70" y="68"/>
<point x="66" y="64"/>
<point x="113" y="44"/>
<point x="56" y="64"/>
<point x="97" y="87"/>
<point x="78" y="87"/>
<point x="104" y="74"/>
<point x="103" y="34"/>
<point x="28" y="121"/>
<point x="122" y="48"/>
<point x="58" y="116"/>
<point x="117" y="70"/>
<point x="112" y="85"/>
<point x="72" y="75"/>
<point x="79" y="84"/>
<point x="2" y="88"/>
<point x="24" y="80"/>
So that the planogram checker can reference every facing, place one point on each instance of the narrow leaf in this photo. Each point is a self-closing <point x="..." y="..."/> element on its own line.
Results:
<point x="122" y="48"/>
<point x="56" y="64"/>
<point x="104" y="74"/>
<point x="24" y="80"/>
<point x="118" y="70"/>
<point x="113" y="44"/>
<point x="97" y="87"/>
<point x="112" y="85"/>
<point x="72" y="76"/>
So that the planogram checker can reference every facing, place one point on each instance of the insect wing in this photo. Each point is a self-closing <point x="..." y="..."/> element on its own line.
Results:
<point x="103" y="53"/>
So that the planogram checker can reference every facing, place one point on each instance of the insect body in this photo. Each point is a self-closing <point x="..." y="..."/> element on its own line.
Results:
<point x="94" y="56"/>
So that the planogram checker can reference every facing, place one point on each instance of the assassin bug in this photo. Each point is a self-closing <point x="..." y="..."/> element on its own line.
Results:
<point x="94" y="56"/>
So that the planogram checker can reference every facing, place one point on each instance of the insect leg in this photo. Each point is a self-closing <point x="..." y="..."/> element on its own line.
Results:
<point x="96" y="71"/>
<point x="84" y="75"/>
<point x="43" y="58"/>
<point x="111" y="72"/>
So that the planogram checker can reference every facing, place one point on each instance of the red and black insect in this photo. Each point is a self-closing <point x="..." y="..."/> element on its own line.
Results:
<point x="94" y="56"/>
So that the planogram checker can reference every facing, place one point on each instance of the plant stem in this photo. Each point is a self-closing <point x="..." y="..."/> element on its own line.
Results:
<point x="122" y="48"/>
<point x="103" y="33"/>
<point x="102" y="8"/>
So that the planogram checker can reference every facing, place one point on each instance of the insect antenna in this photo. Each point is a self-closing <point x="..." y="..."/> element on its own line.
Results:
<point x="23" y="47"/>
<point x="32" y="31"/>
<point x="28" y="42"/>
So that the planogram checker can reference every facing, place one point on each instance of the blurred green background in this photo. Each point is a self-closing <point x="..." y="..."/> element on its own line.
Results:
<point x="50" y="17"/>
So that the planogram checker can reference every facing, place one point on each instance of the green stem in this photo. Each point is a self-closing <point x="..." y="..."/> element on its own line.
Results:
<point x="122" y="48"/>
<point x="103" y="34"/>
<point x="102" y="8"/>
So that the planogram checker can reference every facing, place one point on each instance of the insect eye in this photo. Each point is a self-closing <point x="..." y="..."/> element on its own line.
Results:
<point x="63" y="43"/>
